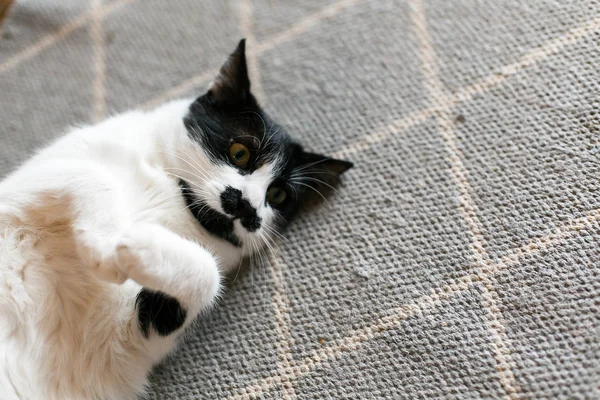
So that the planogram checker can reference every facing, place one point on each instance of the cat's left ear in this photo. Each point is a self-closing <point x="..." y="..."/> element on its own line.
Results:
<point x="323" y="168"/>
<point x="232" y="85"/>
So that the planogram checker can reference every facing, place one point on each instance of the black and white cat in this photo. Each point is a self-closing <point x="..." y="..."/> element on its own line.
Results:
<point x="116" y="236"/>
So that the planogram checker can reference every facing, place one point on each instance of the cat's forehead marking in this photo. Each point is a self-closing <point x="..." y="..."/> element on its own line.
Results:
<point x="215" y="132"/>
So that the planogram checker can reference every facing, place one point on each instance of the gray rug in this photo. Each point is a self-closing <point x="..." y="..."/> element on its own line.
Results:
<point x="461" y="257"/>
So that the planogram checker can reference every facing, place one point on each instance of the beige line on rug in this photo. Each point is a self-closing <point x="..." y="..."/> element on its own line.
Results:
<point x="280" y="305"/>
<point x="275" y="258"/>
<point x="467" y="93"/>
<point x="99" y="62"/>
<point x="288" y="34"/>
<point x="61" y="33"/>
<point x="495" y="322"/>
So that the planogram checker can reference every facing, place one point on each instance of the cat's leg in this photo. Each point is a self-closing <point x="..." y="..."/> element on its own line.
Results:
<point x="180" y="278"/>
<point x="100" y="217"/>
<point x="171" y="280"/>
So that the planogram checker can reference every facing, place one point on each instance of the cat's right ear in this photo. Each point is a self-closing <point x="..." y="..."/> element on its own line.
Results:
<point x="232" y="85"/>
<point x="324" y="169"/>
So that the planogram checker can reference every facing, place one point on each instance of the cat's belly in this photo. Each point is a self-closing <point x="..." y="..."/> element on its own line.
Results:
<point x="61" y="329"/>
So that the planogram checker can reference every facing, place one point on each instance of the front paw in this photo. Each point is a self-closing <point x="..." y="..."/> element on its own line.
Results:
<point x="160" y="260"/>
<point x="138" y="253"/>
<point x="108" y="271"/>
<point x="98" y="256"/>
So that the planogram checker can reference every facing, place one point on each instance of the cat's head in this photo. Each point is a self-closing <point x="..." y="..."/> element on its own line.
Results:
<point x="254" y="176"/>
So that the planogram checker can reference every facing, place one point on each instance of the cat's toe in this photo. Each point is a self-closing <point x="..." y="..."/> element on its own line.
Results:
<point x="109" y="272"/>
<point x="137" y="253"/>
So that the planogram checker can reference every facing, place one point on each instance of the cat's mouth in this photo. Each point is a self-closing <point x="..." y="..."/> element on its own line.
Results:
<point x="212" y="220"/>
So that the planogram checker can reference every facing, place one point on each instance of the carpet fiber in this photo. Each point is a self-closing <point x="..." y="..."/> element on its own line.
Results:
<point x="460" y="258"/>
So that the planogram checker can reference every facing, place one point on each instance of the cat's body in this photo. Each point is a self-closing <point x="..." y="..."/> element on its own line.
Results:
<point x="114" y="238"/>
<point x="50" y="303"/>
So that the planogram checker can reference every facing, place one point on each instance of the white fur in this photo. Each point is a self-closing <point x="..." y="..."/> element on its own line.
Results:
<point x="84" y="225"/>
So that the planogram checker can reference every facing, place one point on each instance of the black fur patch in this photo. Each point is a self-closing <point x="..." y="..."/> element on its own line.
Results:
<point x="234" y="204"/>
<point x="160" y="311"/>
<point x="231" y="199"/>
<point x="213" y="221"/>
<point x="251" y="223"/>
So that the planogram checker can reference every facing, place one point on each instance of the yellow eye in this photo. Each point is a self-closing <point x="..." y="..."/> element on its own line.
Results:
<point x="276" y="195"/>
<point x="240" y="155"/>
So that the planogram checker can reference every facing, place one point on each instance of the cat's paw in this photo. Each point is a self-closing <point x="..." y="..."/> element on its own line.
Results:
<point x="138" y="253"/>
<point x="97" y="255"/>
<point x="161" y="260"/>
<point x="108" y="271"/>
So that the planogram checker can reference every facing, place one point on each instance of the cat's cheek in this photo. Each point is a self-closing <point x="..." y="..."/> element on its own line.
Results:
<point x="212" y="194"/>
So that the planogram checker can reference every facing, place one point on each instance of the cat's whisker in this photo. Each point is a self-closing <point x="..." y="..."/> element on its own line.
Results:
<point x="261" y="235"/>
<point x="195" y="166"/>
<point x="266" y="239"/>
<point x="294" y="190"/>
<point x="309" y="165"/>
<point x="195" y="203"/>
<point x="319" y="181"/>
<point x="262" y="253"/>
<point x="191" y="162"/>
<point x="203" y="210"/>
<point x="256" y="255"/>
<point x="271" y="135"/>
<point x="169" y="197"/>
<point x="263" y="123"/>
<point x="186" y="171"/>
<point x="270" y="229"/>
<point x="239" y="267"/>
<point x="314" y="190"/>
<point x="256" y="259"/>
<point x="277" y="234"/>
<point x="250" y="136"/>
<point x="199" y="188"/>
<point x="269" y="242"/>
<point x="266" y="142"/>
<point x="275" y="242"/>
<point x="188" y="159"/>
<point x="313" y="172"/>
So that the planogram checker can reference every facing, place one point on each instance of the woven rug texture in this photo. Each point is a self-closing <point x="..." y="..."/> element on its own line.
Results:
<point x="460" y="258"/>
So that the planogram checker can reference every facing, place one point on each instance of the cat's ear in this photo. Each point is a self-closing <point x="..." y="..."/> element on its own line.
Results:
<point x="323" y="169"/>
<point x="232" y="85"/>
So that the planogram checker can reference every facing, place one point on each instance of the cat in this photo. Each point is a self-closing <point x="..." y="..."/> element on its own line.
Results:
<point x="117" y="236"/>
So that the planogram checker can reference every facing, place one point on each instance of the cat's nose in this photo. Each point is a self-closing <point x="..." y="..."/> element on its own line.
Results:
<point x="234" y="204"/>
<point x="245" y="209"/>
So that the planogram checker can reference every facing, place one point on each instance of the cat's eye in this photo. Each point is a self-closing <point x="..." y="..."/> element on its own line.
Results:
<point x="240" y="155"/>
<point x="276" y="195"/>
